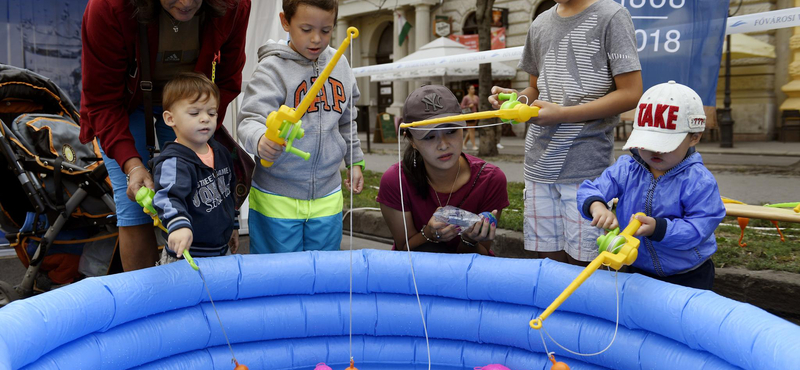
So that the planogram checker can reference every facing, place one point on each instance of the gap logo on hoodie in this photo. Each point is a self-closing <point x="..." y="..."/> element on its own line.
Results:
<point x="327" y="101"/>
<point x="212" y="190"/>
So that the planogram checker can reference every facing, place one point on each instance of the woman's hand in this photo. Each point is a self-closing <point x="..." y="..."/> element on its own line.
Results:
<point x="358" y="180"/>
<point x="269" y="150"/>
<point x="497" y="90"/>
<point x="441" y="231"/>
<point x="481" y="231"/>
<point x="138" y="176"/>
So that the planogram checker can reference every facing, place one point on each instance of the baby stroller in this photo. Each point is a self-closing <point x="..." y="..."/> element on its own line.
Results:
<point x="56" y="208"/>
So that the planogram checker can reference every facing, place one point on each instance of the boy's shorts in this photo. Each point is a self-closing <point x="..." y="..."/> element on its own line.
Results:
<point x="129" y="213"/>
<point x="279" y="224"/>
<point x="553" y="223"/>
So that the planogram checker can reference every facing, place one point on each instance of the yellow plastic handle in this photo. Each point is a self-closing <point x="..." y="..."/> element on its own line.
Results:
<point x="519" y="113"/>
<point x="625" y="256"/>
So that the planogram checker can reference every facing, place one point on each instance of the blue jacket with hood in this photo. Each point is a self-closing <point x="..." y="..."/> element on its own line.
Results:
<point x="191" y="194"/>
<point x="685" y="202"/>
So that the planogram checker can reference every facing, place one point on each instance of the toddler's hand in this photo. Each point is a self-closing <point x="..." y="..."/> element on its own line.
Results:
<point x="358" y="180"/>
<point x="648" y="226"/>
<point x="269" y="150"/>
<point x="497" y="90"/>
<point x="180" y="240"/>
<point x="233" y="244"/>
<point x="602" y="217"/>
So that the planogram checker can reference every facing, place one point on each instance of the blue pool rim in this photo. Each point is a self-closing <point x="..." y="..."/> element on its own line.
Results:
<point x="291" y="311"/>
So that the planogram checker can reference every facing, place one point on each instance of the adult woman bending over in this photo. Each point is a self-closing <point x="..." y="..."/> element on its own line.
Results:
<point x="435" y="173"/>
<point x="182" y="35"/>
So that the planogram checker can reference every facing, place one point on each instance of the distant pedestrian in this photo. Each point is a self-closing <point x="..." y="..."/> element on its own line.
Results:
<point x="470" y="105"/>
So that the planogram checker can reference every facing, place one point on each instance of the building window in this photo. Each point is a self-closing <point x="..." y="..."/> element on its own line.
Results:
<point x="470" y="25"/>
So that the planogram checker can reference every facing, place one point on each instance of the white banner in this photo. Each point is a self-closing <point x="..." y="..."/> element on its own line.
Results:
<point x="775" y="19"/>
<point x="480" y="57"/>
<point x="744" y="23"/>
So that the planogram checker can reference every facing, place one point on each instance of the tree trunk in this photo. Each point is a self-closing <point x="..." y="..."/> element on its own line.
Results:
<point x="483" y="15"/>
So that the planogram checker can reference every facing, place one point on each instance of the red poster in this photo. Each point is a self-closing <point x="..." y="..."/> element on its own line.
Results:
<point x="471" y="41"/>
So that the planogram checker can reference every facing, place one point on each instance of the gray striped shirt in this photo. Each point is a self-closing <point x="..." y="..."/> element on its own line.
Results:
<point x="575" y="60"/>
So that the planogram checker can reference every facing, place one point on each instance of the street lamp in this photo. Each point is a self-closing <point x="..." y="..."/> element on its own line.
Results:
<point x="725" y="120"/>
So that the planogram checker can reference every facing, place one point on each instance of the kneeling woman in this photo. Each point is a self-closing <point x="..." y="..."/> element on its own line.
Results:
<point x="435" y="173"/>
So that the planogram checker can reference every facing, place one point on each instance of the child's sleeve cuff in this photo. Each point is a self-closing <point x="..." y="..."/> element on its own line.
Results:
<point x="660" y="231"/>
<point x="587" y="205"/>
<point x="359" y="163"/>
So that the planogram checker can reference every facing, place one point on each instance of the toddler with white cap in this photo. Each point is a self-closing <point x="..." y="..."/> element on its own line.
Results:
<point x="665" y="178"/>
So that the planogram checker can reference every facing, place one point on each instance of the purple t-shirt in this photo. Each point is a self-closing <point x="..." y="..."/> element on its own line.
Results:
<point x="489" y="193"/>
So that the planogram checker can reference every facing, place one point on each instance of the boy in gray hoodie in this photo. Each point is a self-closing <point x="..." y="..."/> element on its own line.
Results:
<point x="296" y="205"/>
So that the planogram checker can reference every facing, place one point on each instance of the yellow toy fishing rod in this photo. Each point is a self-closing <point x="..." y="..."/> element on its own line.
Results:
<point x="283" y="125"/>
<point x="512" y="111"/>
<point x="615" y="251"/>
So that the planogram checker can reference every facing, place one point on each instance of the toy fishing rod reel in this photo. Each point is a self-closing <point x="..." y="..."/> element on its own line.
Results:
<point x="514" y="111"/>
<point x="290" y="131"/>
<point x="611" y="242"/>
<point x="510" y="102"/>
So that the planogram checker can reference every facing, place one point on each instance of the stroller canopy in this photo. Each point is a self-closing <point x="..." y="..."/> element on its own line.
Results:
<point x="23" y="91"/>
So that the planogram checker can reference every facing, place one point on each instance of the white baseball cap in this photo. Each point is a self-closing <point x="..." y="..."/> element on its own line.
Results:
<point x="665" y="114"/>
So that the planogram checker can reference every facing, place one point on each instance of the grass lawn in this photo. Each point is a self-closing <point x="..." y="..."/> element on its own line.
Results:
<point x="764" y="250"/>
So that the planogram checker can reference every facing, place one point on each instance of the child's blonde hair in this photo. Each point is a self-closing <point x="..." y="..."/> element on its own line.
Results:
<point x="188" y="85"/>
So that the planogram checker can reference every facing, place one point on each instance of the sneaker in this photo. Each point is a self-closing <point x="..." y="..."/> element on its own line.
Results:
<point x="474" y="147"/>
<point x="499" y="146"/>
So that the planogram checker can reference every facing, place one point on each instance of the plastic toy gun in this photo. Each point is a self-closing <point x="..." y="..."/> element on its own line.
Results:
<point x="511" y="111"/>
<point x="145" y="199"/>
<point x="616" y="250"/>
<point x="283" y="125"/>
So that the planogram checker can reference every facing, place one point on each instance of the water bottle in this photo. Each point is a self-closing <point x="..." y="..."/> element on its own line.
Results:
<point x="459" y="217"/>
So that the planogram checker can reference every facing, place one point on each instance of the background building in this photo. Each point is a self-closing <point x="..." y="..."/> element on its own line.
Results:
<point x="756" y="82"/>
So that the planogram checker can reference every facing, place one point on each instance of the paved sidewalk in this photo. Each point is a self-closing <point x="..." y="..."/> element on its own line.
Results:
<point x="749" y="188"/>
<point x="516" y="146"/>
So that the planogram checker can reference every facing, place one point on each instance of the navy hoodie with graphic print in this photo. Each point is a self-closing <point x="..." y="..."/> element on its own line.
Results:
<point x="191" y="194"/>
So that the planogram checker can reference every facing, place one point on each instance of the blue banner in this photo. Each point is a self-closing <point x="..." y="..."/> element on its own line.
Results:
<point x="44" y="36"/>
<point x="680" y="40"/>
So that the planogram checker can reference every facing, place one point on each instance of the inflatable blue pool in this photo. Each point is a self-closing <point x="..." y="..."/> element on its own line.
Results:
<point x="291" y="311"/>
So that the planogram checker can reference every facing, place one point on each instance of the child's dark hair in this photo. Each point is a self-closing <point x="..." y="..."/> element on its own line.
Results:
<point x="146" y="11"/>
<point x="290" y="7"/>
<point x="188" y="85"/>
<point x="416" y="175"/>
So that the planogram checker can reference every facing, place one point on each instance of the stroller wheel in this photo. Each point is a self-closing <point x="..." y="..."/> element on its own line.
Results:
<point x="7" y="293"/>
